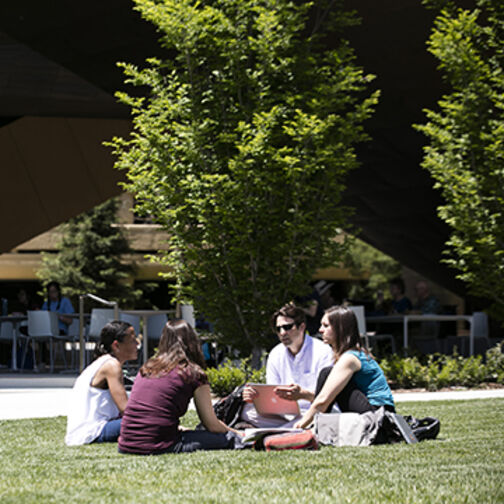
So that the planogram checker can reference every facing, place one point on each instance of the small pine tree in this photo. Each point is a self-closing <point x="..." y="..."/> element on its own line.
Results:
<point x="90" y="258"/>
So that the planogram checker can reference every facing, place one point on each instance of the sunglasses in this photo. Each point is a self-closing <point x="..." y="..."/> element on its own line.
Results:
<point x="285" y="327"/>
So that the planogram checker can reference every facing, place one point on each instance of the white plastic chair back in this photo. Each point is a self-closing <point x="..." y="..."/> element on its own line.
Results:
<point x="74" y="328"/>
<point x="134" y="320"/>
<point x="99" y="317"/>
<point x="187" y="312"/>
<point x="42" y="323"/>
<point x="155" y="324"/>
<point x="480" y="323"/>
<point x="361" y="319"/>
<point x="7" y="331"/>
<point x="361" y="323"/>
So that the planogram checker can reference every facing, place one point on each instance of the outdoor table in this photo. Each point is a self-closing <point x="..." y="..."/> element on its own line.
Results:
<point x="144" y="315"/>
<point x="16" y="321"/>
<point x="428" y="317"/>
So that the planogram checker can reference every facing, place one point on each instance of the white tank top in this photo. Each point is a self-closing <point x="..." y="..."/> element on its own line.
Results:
<point x="90" y="408"/>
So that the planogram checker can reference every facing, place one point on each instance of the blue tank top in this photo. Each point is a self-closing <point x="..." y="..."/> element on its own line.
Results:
<point x="371" y="380"/>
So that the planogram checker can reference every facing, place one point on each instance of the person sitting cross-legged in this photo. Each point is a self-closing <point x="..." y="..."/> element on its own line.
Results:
<point x="355" y="382"/>
<point x="160" y="396"/>
<point x="293" y="365"/>
<point x="98" y="398"/>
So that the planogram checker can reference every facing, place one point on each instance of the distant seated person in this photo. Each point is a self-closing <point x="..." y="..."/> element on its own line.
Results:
<point x="293" y="364"/>
<point x="355" y="382"/>
<point x="60" y="304"/>
<point x="98" y="397"/>
<point x="426" y="302"/>
<point x="400" y="303"/>
<point x="24" y="303"/>
<point x="311" y="304"/>
<point x="382" y="305"/>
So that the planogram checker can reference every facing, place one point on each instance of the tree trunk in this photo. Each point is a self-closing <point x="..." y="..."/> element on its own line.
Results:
<point x="256" y="357"/>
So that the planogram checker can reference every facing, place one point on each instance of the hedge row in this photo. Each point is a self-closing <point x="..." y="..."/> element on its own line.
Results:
<point x="432" y="372"/>
<point x="437" y="371"/>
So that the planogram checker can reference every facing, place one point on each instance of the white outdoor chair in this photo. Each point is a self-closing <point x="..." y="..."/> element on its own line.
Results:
<point x="481" y="336"/>
<point x="370" y="336"/>
<point x="73" y="333"/>
<point x="7" y="335"/>
<point x="99" y="318"/>
<point x="155" y="325"/>
<point x="43" y="326"/>
<point x="134" y="320"/>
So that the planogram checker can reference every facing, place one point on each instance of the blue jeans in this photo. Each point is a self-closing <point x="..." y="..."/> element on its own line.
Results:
<point x="110" y="432"/>
<point x="203" y="440"/>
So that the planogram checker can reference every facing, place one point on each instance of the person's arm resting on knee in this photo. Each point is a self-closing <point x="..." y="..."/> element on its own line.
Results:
<point x="340" y="375"/>
<point x="206" y="413"/>
<point x="111" y="373"/>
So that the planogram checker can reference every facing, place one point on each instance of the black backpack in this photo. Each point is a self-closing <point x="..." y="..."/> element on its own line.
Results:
<point x="424" y="428"/>
<point x="229" y="408"/>
<point x="391" y="432"/>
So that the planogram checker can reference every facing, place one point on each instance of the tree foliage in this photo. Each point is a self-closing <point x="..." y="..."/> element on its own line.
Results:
<point x="90" y="258"/>
<point x="241" y="147"/>
<point x="466" y="151"/>
<point x="377" y="269"/>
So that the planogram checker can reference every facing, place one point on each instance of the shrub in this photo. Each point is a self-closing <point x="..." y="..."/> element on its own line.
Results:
<point x="411" y="373"/>
<point x="433" y="372"/>
<point x="228" y="376"/>
<point x="472" y="371"/>
<point x="495" y="364"/>
<point x="449" y="373"/>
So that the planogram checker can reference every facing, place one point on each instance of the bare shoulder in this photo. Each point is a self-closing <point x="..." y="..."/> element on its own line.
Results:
<point x="111" y="367"/>
<point x="349" y="360"/>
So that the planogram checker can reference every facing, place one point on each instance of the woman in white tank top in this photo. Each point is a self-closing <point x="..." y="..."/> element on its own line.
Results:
<point x="98" y="397"/>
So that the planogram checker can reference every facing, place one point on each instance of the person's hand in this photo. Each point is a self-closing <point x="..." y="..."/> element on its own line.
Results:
<point x="249" y="393"/>
<point x="181" y="428"/>
<point x="291" y="392"/>
<point x="298" y="425"/>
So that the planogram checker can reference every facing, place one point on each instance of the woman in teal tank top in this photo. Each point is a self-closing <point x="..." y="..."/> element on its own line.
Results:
<point x="355" y="382"/>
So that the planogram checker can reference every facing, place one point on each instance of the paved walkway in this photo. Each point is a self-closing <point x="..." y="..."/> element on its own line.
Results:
<point x="40" y="396"/>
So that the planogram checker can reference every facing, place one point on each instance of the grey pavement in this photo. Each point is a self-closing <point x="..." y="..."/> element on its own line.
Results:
<point x="43" y="396"/>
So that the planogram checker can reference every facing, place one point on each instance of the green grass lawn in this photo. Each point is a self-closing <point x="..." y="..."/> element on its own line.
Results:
<point x="465" y="464"/>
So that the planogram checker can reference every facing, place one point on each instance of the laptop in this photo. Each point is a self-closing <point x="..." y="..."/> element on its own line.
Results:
<point x="268" y="403"/>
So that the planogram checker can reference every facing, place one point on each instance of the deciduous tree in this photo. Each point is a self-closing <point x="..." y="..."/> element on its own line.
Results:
<point x="465" y="155"/>
<point x="241" y="147"/>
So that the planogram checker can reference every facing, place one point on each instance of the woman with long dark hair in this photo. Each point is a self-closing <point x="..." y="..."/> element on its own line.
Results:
<point x="98" y="397"/>
<point x="59" y="304"/>
<point x="355" y="382"/>
<point x="161" y="394"/>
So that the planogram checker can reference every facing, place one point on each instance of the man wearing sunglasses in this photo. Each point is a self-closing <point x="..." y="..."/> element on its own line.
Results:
<point x="294" y="364"/>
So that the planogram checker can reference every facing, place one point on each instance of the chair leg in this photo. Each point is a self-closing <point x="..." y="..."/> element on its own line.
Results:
<point x="72" y="355"/>
<point x="23" y="358"/>
<point x="51" y="361"/>
<point x="34" y="356"/>
<point x="63" y="353"/>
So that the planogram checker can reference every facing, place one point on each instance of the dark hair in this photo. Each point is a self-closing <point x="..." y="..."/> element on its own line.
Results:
<point x="179" y="346"/>
<point x="290" y="311"/>
<point x="399" y="282"/>
<point x="346" y="330"/>
<point x="113" y="331"/>
<point x="56" y="285"/>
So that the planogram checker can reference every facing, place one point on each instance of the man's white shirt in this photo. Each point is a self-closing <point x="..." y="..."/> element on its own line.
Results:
<point x="283" y="368"/>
